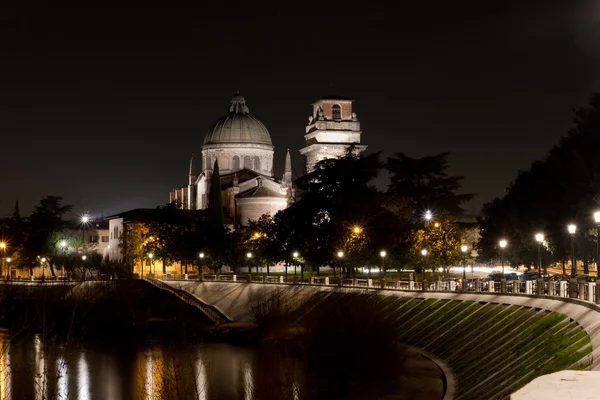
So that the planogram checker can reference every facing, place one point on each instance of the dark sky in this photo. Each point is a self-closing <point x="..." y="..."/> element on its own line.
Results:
<point x="105" y="106"/>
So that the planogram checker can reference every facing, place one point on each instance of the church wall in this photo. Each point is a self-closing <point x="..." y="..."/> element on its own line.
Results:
<point x="251" y="209"/>
<point x="226" y="152"/>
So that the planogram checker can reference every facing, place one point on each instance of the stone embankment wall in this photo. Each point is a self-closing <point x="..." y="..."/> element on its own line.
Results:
<point x="494" y="344"/>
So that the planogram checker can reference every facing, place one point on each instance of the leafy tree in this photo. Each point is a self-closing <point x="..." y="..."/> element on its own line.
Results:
<point x="563" y="188"/>
<point x="426" y="182"/>
<point x="442" y="238"/>
<point x="334" y="199"/>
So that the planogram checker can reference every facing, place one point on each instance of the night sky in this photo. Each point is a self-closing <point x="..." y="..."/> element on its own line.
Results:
<point x="105" y="106"/>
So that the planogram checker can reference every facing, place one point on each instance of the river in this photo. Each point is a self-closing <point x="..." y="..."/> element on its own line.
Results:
<point x="154" y="370"/>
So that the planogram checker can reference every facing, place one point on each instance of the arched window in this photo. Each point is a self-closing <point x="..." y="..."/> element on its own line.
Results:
<point x="256" y="163"/>
<point x="236" y="162"/>
<point x="247" y="162"/>
<point x="336" y="111"/>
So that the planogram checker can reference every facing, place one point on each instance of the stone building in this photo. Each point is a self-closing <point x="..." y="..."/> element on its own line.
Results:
<point x="242" y="147"/>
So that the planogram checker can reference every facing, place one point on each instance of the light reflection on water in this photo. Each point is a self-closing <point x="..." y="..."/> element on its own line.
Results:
<point x="202" y="372"/>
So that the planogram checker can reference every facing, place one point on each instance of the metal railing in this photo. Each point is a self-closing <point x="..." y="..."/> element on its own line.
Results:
<point x="581" y="290"/>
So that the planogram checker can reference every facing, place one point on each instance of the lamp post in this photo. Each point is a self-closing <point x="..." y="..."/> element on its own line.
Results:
<point x="151" y="258"/>
<point x="248" y="257"/>
<point x="3" y="247"/>
<point x="8" y="260"/>
<point x="382" y="254"/>
<point x="424" y="254"/>
<point x="539" y="237"/>
<point x="340" y="255"/>
<point x="502" y="244"/>
<point x="84" y="221"/>
<point x="63" y="246"/>
<point x="572" y="228"/>
<point x="464" y="248"/>
<point x="597" y="220"/>
<point x="201" y="257"/>
<point x="295" y="255"/>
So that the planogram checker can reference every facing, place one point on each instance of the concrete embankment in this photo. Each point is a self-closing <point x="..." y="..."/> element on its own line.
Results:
<point x="494" y="344"/>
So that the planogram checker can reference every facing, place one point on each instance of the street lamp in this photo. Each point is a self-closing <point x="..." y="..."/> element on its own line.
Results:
<point x="503" y="244"/>
<point x="84" y="221"/>
<point x="383" y="253"/>
<point x="357" y="229"/>
<point x="597" y="220"/>
<point x="8" y="260"/>
<point x="201" y="255"/>
<point x="82" y="257"/>
<point x="428" y="216"/>
<point x="464" y="248"/>
<point x="3" y="247"/>
<point x="539" y="237"/>
<point x="572" y="228"/>
<point x="151" y="257"/>
<point x="340" y="255"/>
<point x="424" y="254"/>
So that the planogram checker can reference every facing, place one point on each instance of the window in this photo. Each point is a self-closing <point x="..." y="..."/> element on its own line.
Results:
<point x="93" y="239"/>
<point x="336" y="111"/>
<point x="247" y="162"/>
<point x="104" y="239"/>
<point x="236" y="162"/>
<point x="116" y="232"/>
<point x="256" y="163"/>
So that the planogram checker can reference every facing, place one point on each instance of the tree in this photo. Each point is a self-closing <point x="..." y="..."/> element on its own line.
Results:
<point x="563" y="188"/>
<point x="335" y="199"/>
<point x="216" y="219"/>
<point x="46" y="219"/>
<point x="426" y="182"/>
<point x="442" y="239"/>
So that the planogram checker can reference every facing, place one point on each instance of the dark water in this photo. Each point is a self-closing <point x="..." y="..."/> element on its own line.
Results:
<point x="31" y="370"/>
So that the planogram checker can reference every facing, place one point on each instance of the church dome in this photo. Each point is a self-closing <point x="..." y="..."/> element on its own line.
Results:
<point x="238" y="127"/>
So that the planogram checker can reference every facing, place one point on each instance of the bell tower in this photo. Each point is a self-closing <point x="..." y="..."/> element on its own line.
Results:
<point x="331" y="129"/>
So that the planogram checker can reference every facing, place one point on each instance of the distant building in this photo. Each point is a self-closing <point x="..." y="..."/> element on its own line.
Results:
<point x="95" y="236"/>
<point x="331" y="129"/>
<point x="242" y="145"/>
<point x="125" y="231"/>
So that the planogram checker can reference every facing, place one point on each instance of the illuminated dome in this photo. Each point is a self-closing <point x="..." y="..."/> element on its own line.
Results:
<point x="238" y="127"/>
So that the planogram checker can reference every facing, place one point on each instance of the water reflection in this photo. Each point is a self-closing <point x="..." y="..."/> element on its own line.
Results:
<point x="154" y="372"/>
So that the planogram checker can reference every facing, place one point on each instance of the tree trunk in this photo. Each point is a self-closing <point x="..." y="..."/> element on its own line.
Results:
<point x="164" y="266"/>
<point x="52" y="269"/>
<point x="333" y="267"/>
<point x="268" y="270"/>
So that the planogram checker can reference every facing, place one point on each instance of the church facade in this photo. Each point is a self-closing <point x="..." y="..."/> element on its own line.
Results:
<point x="242" y="147"/>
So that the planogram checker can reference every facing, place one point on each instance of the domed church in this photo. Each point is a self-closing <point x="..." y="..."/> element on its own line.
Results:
<point x="242" y="147"/>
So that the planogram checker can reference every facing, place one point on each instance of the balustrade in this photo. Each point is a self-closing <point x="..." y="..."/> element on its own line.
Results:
<point x="586" y="291"/>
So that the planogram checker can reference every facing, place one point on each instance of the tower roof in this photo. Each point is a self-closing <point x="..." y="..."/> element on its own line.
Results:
<point x="333" y="97"/>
